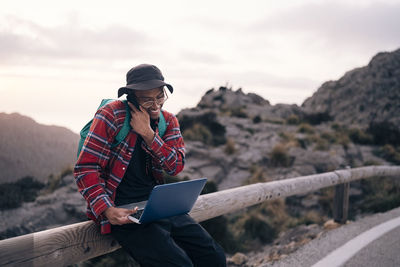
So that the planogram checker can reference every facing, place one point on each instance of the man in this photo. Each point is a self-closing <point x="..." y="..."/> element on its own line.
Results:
<point x="109" y="176"/>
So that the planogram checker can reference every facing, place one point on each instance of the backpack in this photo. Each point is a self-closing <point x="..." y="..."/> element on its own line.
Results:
<point x="162" y="126"/>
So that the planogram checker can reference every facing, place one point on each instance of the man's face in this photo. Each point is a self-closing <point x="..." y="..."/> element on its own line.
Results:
<point x="150" y="99"/>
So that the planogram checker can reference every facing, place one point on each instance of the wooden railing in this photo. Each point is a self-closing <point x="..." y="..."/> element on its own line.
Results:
<point x="81" y="241"/>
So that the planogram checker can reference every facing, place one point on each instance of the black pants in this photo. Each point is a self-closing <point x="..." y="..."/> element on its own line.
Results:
<point x="176" y="241"/>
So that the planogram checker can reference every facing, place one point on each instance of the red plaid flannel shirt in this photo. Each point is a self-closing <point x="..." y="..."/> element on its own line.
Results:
<point x="101" y="167"/>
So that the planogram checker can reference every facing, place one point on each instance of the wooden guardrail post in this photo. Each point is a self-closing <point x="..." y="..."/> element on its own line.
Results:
<point x="341" y="203"/>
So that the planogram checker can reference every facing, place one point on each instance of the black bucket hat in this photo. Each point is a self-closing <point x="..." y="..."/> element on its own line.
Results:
<point x="143" y="77"/>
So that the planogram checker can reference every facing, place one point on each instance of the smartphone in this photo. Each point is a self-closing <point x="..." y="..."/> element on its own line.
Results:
<point x="132" y="99"/>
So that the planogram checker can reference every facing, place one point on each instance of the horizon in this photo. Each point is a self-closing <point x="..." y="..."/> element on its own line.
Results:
<point x="58" y="60"/>
<point x="77" y="131"/>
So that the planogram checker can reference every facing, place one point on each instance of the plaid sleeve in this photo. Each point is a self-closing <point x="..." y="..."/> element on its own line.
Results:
<point x="169" y="151"/>
<point x="93" y="160"/>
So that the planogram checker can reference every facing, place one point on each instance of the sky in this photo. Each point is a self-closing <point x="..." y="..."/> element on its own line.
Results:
<point x="58" y="59"/>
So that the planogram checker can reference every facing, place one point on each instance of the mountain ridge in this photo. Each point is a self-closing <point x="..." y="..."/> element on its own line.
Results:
<point x="21" y="138"/>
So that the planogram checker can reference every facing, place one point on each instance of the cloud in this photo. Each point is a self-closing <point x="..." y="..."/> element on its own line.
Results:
<point x="267" y="80"/>
<point x="23" y="41"/>
<point x="337" y="23"/>
<point x="200" y="57"/>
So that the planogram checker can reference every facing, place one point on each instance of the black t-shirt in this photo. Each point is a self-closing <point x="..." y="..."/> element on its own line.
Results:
<point x="137" y="183"/>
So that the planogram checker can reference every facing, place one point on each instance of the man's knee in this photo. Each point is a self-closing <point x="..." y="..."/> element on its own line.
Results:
<point x="215" y="257"/>
<point x="219" y="257"/>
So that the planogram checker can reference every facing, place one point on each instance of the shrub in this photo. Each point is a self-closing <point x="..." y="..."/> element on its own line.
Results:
<point x="384" y="133"/>
<point x="390" y="153"/>
<point x="381" y="203"/>
<point x="56" y="181"/>
<point x="276" y="212"/>
<point x="198" y="133"/>
<point x="250" y="131"/>
<point x="303" y="142"/>
<point x="207" y="124"/>
<point x="280" y="156"/>
<point x="257" y="119"/>
<point x="274" y="120"/>
<point x="209" y="187"/>
<point x="317" y="118"/>
<point x="12" y="195"/>
<point x="257" y="175"/>
<point x="321" y="144"/>
<point x="238" y="112"/>
<point x="310" y="217"/>
<point x="343" y="139"/>
<point x="306" y="128"/>
<point x="173" y="179"/>
<point x="209" y="91"/>
<point x="219" y="98"/>
<point x="360" y="137"/>
<point x="66" y="171"/>
<point x="381" y="194"/>
<point x="256" y="227"/>
<point x="329" y="136"/>
<point x="289" y="139"/>
<point x="371" y="162"/>
<point x="230" y="147"/>
<point x="336" y="126"/>
<point x="53" y="182"/>
<point x="293" y="119"/>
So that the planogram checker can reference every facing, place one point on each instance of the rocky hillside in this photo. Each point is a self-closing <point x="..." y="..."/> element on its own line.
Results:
<point x="235" y="139"/>
<point x="59" y="206"/>
<point x="366" y="95"/>
<point x="29" y="148"/>
<point x="230" y="133"/>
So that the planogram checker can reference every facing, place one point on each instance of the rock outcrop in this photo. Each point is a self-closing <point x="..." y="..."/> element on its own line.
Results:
<point x="366" y="95"/>
<point x="251" y="129"/>
<point x="62" y="207"/>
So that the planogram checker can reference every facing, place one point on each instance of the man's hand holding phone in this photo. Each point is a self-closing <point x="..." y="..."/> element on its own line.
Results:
<point x="140" y="123"/>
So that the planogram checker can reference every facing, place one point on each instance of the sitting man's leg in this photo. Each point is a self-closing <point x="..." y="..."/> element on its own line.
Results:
<point x="151" y="244"/>
<point x="196" y="242"/>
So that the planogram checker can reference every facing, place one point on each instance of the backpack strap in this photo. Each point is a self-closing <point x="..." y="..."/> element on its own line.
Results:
<point x="125" y="128"/>
<point x="162" y="125"/>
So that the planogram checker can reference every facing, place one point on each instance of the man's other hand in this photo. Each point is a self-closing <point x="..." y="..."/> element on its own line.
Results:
<point x="119" y="216"/>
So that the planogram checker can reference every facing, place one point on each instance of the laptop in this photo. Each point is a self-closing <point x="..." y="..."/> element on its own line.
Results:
<point x="167" y="200"/>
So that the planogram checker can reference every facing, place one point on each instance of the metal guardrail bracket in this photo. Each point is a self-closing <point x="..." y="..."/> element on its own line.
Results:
<point x="341" y="203"/>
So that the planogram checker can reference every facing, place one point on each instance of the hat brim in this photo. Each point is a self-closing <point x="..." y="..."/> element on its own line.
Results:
<point x="147" y="85"/>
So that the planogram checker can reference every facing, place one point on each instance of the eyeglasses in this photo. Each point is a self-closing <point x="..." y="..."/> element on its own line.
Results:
<point x="158" y="101"/>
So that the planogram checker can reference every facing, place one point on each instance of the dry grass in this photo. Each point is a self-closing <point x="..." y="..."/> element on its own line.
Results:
<point x="306" y="128"/>
<point x="198" y="133"/>
<point x="258" y="175"/>
<point x="390" y="153"/>
<point x="280" y="156"/>
<point x="230" y="147"/>
<point x="293" y="119"/>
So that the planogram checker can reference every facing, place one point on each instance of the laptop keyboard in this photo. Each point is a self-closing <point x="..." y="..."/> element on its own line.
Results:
<point x="138" y="214"/>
